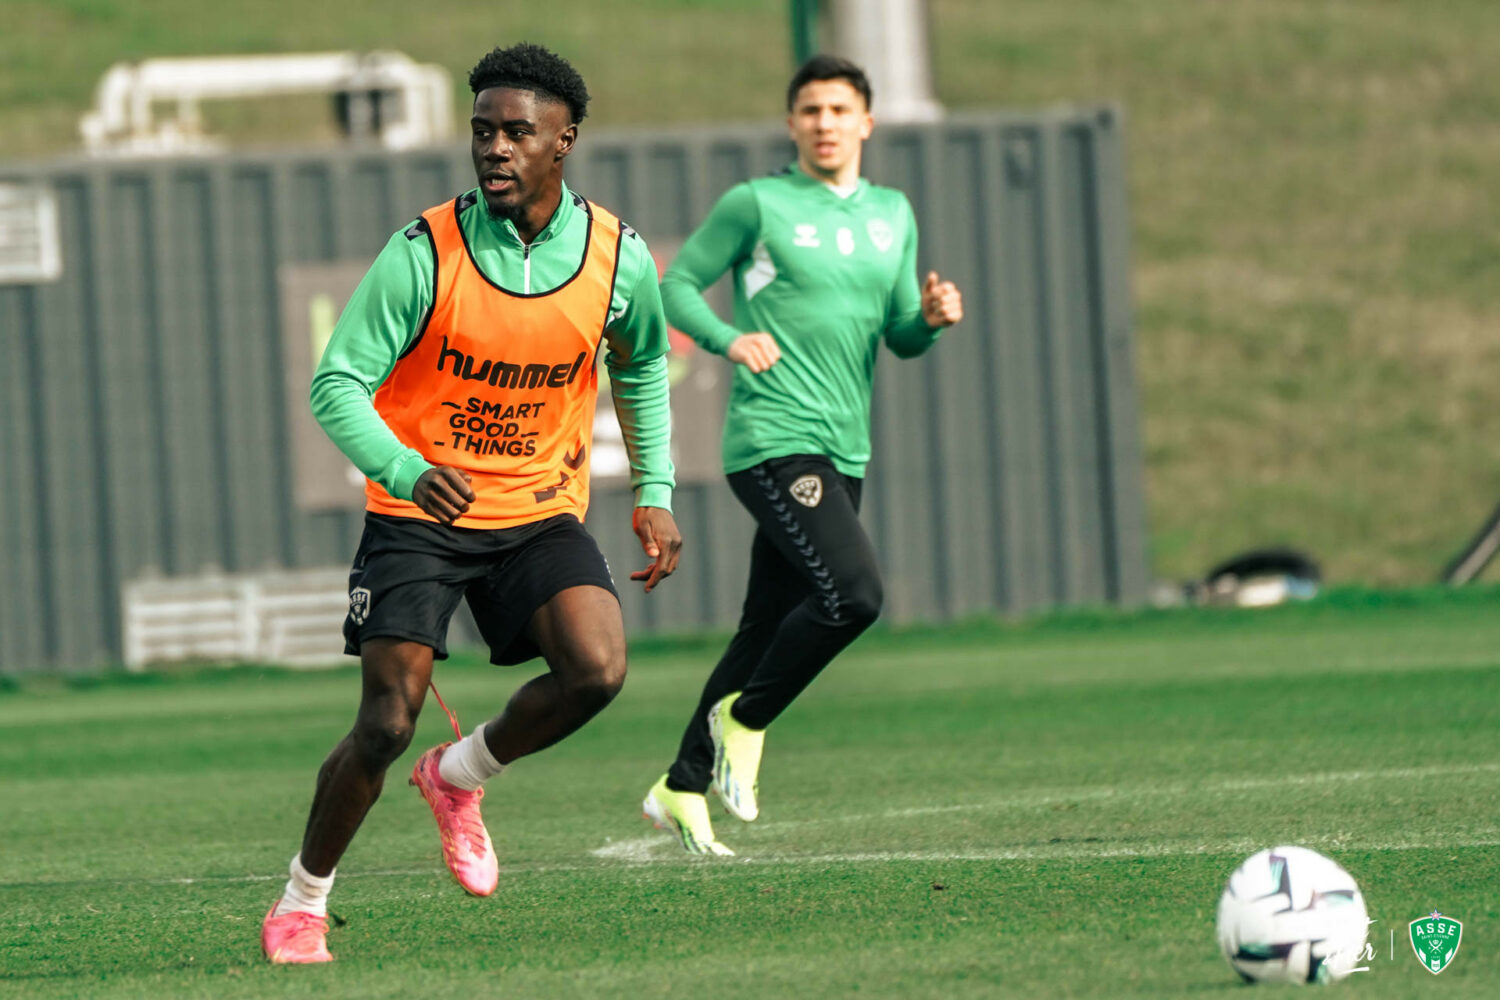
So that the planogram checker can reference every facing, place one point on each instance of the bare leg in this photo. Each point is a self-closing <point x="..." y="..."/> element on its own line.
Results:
<point x="396" y="673"/>
<point x="581" y="633"/>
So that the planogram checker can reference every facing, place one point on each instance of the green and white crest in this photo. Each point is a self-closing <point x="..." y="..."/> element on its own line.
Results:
<point x="1435" y="939"/>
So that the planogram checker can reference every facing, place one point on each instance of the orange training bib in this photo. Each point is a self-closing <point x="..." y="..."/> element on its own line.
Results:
<point x="503" y="385"/>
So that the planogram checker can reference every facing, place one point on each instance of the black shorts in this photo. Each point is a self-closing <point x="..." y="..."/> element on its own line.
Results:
<point x="409" y="574"/>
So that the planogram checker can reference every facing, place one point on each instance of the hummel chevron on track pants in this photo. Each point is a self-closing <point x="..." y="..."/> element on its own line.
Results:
<point x="814" y="587"/>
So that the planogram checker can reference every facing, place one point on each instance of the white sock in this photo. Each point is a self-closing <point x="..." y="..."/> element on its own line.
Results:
<point x="468" y="763"/>
<point x="304" y="892"/>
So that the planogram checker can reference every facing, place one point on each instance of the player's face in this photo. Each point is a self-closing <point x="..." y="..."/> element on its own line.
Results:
<point x="829" y="123"/>
<point x="519" y="142"/>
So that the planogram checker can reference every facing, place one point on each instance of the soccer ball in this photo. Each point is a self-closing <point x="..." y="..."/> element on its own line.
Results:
<point x="1290" y="915"/>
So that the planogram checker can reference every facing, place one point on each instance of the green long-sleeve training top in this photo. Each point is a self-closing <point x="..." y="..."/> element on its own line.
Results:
<point x="829" y="277"/>
<point x="387" y="310"/>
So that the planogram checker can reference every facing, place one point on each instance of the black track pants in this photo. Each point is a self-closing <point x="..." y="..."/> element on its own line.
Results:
<point x="814" y="587"/>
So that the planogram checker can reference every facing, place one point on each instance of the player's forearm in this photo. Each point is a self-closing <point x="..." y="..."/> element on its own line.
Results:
<point x="726" y="236"/>
<point x="906" y="331"/>
<point x="682" y="299"/>
<point x="644" y="408"/>
<point x="909" y="336"/>
<point x="342" y="406"/>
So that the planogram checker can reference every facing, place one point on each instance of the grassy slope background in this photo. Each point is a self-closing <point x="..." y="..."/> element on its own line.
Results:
<point x="1317" y="234"/>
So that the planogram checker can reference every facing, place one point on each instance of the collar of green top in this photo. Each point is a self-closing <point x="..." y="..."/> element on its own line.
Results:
<point x="505" y="230"/>
<point x="805" y="179"/>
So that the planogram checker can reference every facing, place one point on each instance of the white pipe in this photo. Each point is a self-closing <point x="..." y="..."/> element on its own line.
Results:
<point x="125" y="96"/>
<point x="888" y="39"/>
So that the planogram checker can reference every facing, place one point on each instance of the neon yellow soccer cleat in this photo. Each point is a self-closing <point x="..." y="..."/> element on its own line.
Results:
<point x="685" y="814"/>
<point x="737" y="750"/>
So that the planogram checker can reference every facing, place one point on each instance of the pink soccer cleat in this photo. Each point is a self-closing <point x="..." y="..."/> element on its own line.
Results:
<point x="294" y="938"/>
<point x="466" y="843"/>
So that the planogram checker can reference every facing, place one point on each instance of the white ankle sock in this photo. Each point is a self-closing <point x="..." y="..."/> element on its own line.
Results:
<point x="468" y="763"/>
<point x="304" y="892"/>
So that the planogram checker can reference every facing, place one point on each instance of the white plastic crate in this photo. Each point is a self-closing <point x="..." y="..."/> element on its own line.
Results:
<point x="291" y="617"/>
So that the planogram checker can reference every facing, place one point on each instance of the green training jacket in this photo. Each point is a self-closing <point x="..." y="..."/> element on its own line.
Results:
<point x="829" y="277"/>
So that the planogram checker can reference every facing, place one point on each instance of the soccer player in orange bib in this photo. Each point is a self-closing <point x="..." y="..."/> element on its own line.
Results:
<point x="461" y="380"/>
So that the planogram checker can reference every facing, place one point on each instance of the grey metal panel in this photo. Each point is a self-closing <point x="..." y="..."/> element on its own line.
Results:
<point x="262" y="217"/>
<point x="1006" y="471"/>
<point x="309" y="212"/>
<point x="302" y="230"/>
<point x="1075" y="528"/>
<point x="985" y="302"/>
<point x="667" y="172"/>
<point x="1021" y="334"/>
<point x="222" y="326"/>
<point x="367" y="202"/>
<point x="961" y="369"/>
<point x="1091" y="528"/>
<point x="1053" y="376"/>
<point x="725" y="536"/>
<point x="606" y="180"/>
<point x="12" y="640"/>
<point x="26" y="613"/>
<point x="131" y="391"/>
<point x="66" y="478"/>
<point x="697" y="598"/>
<point x="728" y="164"/>
<point x="192" y="411"/>
<point x="426" y="180"/>
<point x="244" y="250"/>
<point x="1121" y="462"/>
<point x="105" y="481"/>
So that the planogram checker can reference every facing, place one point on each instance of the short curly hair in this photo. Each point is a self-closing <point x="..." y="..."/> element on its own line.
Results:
<point x="525" y="66"/>
<point x="826" y="67"/>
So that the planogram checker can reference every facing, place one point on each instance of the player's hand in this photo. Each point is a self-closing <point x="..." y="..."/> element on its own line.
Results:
<point x="756" y="351"/>
<point x="942" y="305"/>
<point x="660" y="540"/>
<point x="443" y="492"/>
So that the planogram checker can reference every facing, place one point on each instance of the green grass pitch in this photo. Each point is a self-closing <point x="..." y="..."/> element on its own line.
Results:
<point x="1041" y="810"/>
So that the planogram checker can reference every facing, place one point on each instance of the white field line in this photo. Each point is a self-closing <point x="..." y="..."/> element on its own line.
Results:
<point x="643" y="849"/>
<point x="1057" y="796"/>
<point x="641" y="857"/>
<point x="1092" y="851"/>
<point x="674" y="862"/>
<point x="1042" y="797"/>
<point x="661" y="850"/>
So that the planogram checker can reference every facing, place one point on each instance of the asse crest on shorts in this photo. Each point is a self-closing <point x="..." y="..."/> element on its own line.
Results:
<point x="807" y="490"/>
<point x="1435" y="939"/>
<point x="359" y="604"/>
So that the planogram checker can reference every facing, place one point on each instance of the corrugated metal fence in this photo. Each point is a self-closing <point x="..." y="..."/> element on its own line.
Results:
<point x="144" y="429"/>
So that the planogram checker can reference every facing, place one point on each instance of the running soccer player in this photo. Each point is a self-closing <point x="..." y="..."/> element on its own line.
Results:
<point x="824" y="268"/>
<point x="461" y="380"/>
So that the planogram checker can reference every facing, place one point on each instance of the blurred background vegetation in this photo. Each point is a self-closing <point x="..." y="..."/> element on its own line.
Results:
<point x="1314" y="193"/>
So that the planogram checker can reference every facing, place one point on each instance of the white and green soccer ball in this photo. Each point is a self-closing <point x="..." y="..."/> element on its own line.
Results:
<point x="1290" y="915"/>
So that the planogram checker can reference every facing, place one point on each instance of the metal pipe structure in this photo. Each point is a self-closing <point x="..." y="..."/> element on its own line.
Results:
<point x="122" y="122"/>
